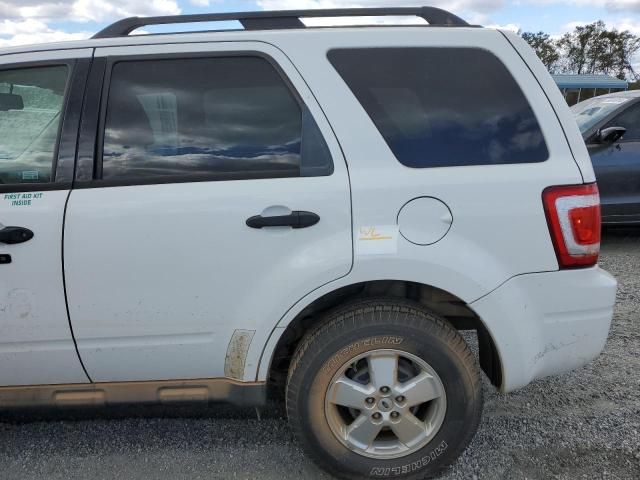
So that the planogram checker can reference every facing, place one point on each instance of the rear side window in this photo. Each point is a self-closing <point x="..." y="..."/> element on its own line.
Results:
<point x="440" y="107"/>
<point x="195" y="117"/>
<point x="31" y="101"/>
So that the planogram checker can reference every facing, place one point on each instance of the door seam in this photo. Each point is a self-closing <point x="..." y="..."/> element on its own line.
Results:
<point x="64" y="223"/>
<point x="346" y="163"/>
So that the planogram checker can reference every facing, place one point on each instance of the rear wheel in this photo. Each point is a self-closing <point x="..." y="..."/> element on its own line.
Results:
<point x="384" y="389"/>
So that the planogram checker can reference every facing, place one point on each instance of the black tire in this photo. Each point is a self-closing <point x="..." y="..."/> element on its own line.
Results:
<point x="374" y="324"/>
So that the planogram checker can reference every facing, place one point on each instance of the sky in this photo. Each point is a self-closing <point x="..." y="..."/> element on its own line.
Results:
<point x="36" y="21"/>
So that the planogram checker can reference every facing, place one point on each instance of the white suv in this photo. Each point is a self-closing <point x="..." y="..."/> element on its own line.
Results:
<point x="311" y="213"/>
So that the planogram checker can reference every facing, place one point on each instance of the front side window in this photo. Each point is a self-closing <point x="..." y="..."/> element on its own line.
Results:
<point x="629" y="119"/>
<point x="31" y="101"/>
<point x="198" y="117"/>
<point x="590" y="112"/>
<point x="439" y="107"/>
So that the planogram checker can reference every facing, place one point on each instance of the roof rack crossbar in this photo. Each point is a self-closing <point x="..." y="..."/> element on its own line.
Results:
<point x="282" y="19"/>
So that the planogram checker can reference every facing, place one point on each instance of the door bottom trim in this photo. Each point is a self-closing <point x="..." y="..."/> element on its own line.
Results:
<point x="118" y="393"/>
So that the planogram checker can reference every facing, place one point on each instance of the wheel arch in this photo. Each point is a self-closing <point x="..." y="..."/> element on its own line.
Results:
<point x="452" y="308"/>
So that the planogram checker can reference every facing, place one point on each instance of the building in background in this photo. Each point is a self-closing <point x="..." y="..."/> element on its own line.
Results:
<point x="576" y="88"/>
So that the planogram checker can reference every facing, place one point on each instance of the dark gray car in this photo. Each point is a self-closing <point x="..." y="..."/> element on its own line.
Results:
<point x="610" y="126"/>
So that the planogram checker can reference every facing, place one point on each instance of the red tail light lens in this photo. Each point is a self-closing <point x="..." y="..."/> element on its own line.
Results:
<point x="573" y="215"/>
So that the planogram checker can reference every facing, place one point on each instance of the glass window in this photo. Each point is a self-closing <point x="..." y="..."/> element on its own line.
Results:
<point x="589" y="112"/>
<point x="439" y="107"/>
<point x="30" y="104"/>
<point x="228" y="116"/>
<point x="629" y="119"/>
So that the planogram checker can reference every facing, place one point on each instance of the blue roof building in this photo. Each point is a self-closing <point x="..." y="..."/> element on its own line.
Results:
<point x="580" y="87"/>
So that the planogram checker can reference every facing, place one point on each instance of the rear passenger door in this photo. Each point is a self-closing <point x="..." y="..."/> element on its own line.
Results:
<point x="40" y="98"/>
<point x="216" y="198"/>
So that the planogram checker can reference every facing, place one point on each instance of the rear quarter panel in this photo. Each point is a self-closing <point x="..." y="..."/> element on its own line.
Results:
<point x="499" y="228"/>
<point x="560" y="107"/>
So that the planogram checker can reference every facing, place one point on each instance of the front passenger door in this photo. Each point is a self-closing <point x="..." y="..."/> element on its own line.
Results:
<point x="617" y="169"/>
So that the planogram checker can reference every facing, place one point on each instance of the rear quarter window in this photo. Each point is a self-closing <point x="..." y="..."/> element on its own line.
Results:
<point x="440" y="107"/>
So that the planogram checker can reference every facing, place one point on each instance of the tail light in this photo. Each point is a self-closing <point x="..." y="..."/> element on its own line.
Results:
<point x="573" y="215"/>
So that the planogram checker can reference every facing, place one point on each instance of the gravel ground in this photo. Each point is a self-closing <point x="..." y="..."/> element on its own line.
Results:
<point x="585" y="424"/>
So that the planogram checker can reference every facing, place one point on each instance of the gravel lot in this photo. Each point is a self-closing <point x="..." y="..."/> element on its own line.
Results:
<point x="585" y="424"/>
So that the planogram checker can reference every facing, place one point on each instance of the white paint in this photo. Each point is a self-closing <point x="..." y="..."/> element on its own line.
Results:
<point x="36" y="346"/>
<point x="548" y="323"/>
<point x="424" y="221"/>
<point x="569" y="126"/>
<point x="160" y="276"/>
<point x="499" y="229"/>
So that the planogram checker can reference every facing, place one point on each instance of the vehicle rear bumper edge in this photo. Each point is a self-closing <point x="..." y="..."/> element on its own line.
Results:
<point x="548" y="323"/>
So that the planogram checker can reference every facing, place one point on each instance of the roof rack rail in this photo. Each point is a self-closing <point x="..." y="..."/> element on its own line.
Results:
<point x="282" y="19"/>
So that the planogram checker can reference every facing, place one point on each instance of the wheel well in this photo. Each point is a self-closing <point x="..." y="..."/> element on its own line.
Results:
<point x="452" y="308"/>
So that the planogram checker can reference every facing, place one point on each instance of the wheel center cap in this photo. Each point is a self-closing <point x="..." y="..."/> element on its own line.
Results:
<point x="385" y="405"/>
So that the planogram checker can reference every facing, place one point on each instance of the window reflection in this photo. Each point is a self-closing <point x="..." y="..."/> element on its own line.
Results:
<point x="30" y="105"/>
<point x="443" y="106"/>
<point x="200" y="116"/>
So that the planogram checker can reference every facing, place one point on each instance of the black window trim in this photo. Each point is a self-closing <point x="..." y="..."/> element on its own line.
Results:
<point x="63" y="158"/>
<point x="513" y="77"/>
<point x="108" y="63"/>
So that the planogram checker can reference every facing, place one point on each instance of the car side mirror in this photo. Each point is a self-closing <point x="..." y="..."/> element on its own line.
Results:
<point x="10" y="101"/>
<point x="610" y="135"/>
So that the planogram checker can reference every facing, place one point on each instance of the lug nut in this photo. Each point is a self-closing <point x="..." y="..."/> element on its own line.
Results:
<point x="400" y="399"/>
<point x="370" y="400"/>
<point x="395" y="414"/>
<point x="376" y="416"/>
<point x="384" y="389"/>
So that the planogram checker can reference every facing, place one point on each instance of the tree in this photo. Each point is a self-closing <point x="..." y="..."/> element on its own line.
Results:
<point x="628" y="45"/>
<point x="544" y="47"/>
<point x="593" y="49"/>
<point x="588" y="49"/>
<point x="578" y="47"/>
